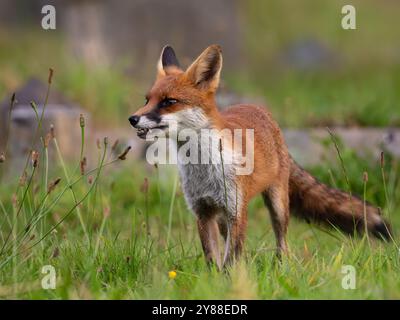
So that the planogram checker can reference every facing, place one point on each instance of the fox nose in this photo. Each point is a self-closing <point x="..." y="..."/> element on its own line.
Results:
<point x="134" y="120"/>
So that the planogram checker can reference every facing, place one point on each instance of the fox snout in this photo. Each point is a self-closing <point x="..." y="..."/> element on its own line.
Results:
<point x="148" y="125"/>
<point x="148" y="120"/>
<point x="134" y="120"/>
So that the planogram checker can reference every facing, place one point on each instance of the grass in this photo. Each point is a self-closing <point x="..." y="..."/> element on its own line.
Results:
<point x="138" y="229"/>
<point x="128" y="263"/>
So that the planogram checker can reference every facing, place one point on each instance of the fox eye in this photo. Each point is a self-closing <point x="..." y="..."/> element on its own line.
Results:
<point x="167" y="102"/>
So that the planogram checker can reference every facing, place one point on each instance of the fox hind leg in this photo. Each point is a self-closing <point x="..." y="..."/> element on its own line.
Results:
<point x="276" y="198"/>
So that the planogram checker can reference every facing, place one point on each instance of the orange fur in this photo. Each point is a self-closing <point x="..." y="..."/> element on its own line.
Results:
<point x="282" y="183"/>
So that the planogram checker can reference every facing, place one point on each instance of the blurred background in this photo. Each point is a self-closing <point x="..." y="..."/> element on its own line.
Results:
<point x="116" y="232"/>
<point x="293" y="56"/>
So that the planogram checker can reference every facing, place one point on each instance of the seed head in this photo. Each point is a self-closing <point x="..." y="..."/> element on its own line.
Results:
<point x="365" y="176"/>
<point x="82" y="120"/>
<point x="83" y="165"/>
<point x="51" y="72"/>
<point x="52" y="131"/>
<point x="12" y="99"/>
<point x="53" y="185"/>
<point x="145" y="186"/>
<point x="47" y="139"/>
<point x="14" y="200"/>
<point x="122" y="156"/>
<point x="382" y="159"/>
<point x="115" y="145"/>
<point x="22" y="179"/>
<point x="35" y="158"/>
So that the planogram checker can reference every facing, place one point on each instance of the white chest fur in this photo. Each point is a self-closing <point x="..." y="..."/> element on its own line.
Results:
<point x="211" y="185"/>
<point x="207" y="185"/>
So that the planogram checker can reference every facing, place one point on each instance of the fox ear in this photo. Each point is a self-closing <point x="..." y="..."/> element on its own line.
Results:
<point x="205" y="71"/>
<point x="168" y="63"/>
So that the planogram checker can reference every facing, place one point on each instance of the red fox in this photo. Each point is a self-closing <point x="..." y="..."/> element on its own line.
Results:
<point x="219" y="197"/>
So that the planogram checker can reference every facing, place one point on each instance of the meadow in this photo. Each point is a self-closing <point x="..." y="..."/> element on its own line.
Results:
<point x="121" y="230"/>
<point x="116" y="228"/>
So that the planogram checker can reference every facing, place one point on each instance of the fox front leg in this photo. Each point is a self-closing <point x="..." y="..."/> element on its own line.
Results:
<point x="209" y="233"/>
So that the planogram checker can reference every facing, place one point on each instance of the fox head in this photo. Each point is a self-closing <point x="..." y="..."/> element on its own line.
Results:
<point x="183" y="98"/>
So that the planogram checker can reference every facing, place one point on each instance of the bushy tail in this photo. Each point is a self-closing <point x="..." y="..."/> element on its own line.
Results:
<point x="314" y="201"/>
